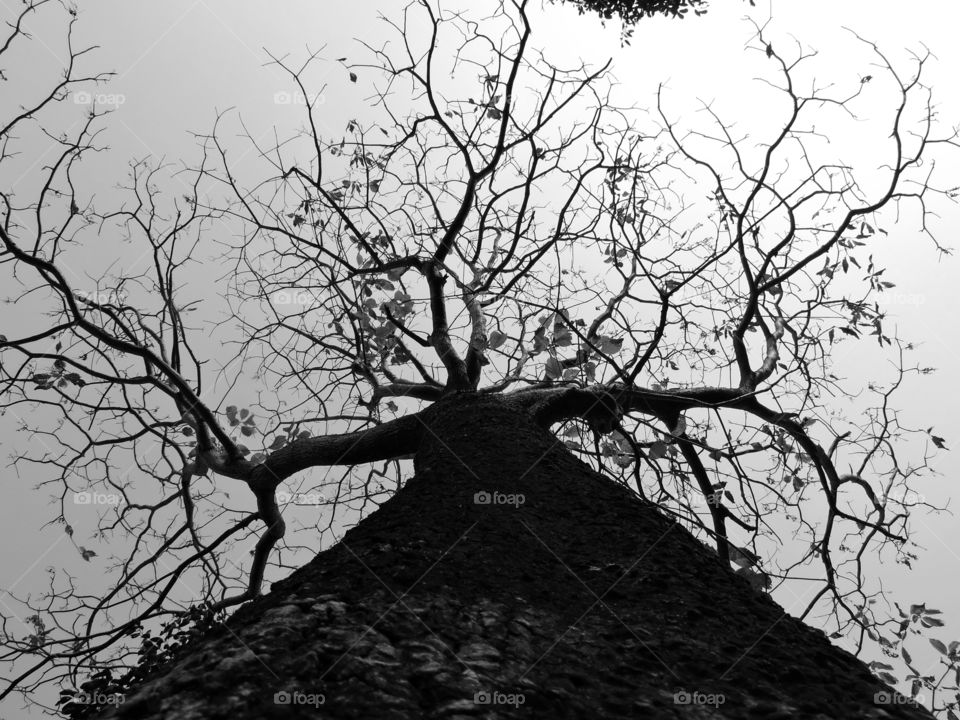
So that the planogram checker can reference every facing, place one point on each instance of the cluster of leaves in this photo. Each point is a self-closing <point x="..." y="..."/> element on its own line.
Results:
<point x="288" y="434"/>
<point x="39" y="635"/>
<point x="633" y="11"/>
<point x="375" y="315"/>
<point x="562" y="336"/>
<point x="56" y="377"/>
<point x="916" y="621"/>
<point x="104" y="688"/>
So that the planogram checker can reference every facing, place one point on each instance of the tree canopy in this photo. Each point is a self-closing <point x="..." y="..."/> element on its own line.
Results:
<point x="633" y="11"/>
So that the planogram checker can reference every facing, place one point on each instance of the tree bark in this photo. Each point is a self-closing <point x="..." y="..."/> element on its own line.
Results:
<point x="581" y="601"/>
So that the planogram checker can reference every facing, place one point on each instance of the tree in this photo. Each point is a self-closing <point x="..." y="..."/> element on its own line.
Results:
<point x="497" y="248"/>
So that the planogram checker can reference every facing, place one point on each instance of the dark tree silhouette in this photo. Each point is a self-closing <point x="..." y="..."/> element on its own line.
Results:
<point x="496" y="250"/>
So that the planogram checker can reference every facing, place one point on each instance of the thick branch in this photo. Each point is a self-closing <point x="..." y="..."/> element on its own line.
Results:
<point x="383" y="442"/>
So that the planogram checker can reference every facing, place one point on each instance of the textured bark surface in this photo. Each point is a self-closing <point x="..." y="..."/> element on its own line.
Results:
<point x="584" y="600"/>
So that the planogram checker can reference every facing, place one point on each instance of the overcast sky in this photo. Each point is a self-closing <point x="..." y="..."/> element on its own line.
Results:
<point x="179" y="63"/>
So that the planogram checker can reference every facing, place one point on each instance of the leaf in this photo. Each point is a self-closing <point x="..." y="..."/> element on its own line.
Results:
<point x="887" y="678"/>
<point x="590" y="370"/>
<point x="939" y="442"/>
<point x="392" y="406"/>
<point x="494" y="113"/>
<point x="680" y="428"/>
<point x="86" y="554"/>
<point x="941" y="648"/>
<point x="759" y="580"/>
<point x="562" y="336"/>
<point x="539" y="342"/>
<point x="247" y="430"/>
<point x="741" y="556"/>
<point x="609" y="345"/>
<point x="496" y="339"/>
<point x="552" y="368"/>
<point x="657" y="450"/>
<point x="353" y="77"/>
<point x="570" y="373"/>
<point x="278" y="442"/>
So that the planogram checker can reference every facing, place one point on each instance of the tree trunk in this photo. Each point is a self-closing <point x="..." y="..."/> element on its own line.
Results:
<point x="579" y="601"/>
